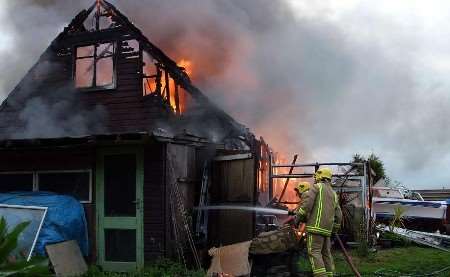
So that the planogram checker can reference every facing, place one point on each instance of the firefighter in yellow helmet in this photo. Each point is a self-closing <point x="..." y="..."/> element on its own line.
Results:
<point x="321" y="211"/>
<point x="301" y="188"/>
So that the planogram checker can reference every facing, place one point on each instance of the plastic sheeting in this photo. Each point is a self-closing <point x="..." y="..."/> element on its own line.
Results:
<point x="65" y="219"/>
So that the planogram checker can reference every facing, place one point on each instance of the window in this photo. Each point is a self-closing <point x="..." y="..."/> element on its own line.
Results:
<point x="94" y="66"/>
<point x="16" y="182"/>
<point x="76" y="183"/>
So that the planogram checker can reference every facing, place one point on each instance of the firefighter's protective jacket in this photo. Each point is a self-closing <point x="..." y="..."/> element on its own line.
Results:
<point x="320" y="209"/>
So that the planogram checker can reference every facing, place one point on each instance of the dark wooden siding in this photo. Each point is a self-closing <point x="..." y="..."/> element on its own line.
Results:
<point x="47" y="159"/>
<point x="118" y="110"/>
<point x="165" y="164"/>
<point x="154" y="202"/>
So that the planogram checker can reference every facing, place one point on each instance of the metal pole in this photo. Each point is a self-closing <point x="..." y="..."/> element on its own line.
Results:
<point x="270" y="176"/>
<point x="316" y="164"/>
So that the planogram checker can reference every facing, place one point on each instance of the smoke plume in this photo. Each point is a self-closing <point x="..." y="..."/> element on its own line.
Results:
<point x="307" y="83"/>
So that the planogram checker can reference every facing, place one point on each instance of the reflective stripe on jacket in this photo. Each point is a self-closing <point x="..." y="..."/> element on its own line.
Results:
<point x="320" y="209"/>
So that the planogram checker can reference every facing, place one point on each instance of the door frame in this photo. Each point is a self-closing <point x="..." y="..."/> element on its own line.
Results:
<point x="125" y="223"/>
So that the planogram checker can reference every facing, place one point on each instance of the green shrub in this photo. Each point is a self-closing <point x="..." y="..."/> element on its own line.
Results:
<point x="397" y="240"/>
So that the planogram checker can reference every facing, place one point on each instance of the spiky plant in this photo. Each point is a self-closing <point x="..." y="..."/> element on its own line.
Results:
<point x="8" y="239"/>
<point x="398" y="219"/>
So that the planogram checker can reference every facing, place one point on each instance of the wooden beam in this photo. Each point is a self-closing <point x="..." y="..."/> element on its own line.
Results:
<point x="287" y="179"/>
<point x="177" y="100"/>
<point x="167" y="80"/>
<point x="244" y="156"/>
<point x="118" y="33"/>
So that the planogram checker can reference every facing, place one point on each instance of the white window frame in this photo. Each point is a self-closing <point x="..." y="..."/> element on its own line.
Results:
<point x="36" y="178"/>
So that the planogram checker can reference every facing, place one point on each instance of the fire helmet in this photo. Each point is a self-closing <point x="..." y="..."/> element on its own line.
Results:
<point x="302" y="187"/>
<point x="323" y="173"/>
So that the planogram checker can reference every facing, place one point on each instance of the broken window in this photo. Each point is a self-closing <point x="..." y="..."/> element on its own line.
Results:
<point x="157" y="80"/>
<point x="151" y="78"/>
<point x="99" y="20"/>
<point x="16" y="182"/>
<point x="94" y="66"/>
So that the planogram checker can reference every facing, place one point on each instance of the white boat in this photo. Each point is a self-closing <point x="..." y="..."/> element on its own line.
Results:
<point x="418" y="214"/>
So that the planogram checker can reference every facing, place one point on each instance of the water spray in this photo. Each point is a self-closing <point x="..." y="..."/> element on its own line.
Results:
<point x="243" y="208"/>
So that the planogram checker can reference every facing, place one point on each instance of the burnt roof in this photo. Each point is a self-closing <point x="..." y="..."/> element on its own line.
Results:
<point x="46" y="104"/>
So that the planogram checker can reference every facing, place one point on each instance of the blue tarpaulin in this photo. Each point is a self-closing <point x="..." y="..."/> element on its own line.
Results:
<point x="65" y="219"/>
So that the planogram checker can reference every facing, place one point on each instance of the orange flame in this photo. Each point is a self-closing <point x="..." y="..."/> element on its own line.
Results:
<point x="182" y="96"/>
<point x="278" y="183"/>
<point x="150" y="85"/>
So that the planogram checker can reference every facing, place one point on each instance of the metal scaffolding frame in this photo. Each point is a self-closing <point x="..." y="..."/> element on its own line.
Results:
<point x="360" y="172"/>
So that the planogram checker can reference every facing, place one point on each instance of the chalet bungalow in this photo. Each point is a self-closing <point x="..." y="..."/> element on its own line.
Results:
<point x="105" y="116"/>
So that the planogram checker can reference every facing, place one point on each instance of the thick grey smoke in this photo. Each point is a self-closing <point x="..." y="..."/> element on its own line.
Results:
<point x="305" y="83"/>
<point x="44" y="119"/>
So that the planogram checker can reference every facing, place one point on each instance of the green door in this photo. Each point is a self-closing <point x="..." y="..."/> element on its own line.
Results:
<point x="119" y="202"/>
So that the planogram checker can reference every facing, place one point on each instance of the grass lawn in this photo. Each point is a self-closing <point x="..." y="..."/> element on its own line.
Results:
<point x="406" y="260"/>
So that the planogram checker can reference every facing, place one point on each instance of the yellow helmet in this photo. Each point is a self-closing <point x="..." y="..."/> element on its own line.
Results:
<point x="303" y="187"/>
<point x="323" y="173"/>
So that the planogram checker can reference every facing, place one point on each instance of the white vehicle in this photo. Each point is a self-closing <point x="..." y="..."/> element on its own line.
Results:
<point x="418" y="214"/>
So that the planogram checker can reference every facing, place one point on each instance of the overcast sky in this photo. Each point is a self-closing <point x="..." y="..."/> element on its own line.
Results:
<point x="330" y="78"/>
<point x="413" y="138"/>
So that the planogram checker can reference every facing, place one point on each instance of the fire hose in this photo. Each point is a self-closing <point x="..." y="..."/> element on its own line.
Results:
<point x="347" y="257"/>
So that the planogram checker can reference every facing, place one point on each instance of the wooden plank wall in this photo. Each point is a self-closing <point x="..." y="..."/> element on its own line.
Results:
<point x="233" y="183"/>
<point x="181" y="169"/>
<point x="154" y="201"/>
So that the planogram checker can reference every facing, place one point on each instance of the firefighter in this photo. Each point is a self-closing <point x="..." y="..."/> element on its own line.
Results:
<point x="301" y="188"/>
<point x="322" y="214"/>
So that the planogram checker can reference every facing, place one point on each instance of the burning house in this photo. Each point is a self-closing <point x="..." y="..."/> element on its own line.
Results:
<point x="107" y="117"/>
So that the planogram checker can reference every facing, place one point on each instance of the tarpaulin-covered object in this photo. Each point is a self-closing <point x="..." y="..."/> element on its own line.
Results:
<point x="65" y="219"/>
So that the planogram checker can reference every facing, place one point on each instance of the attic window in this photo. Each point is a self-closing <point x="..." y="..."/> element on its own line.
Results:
<point x="94" y="66"/>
